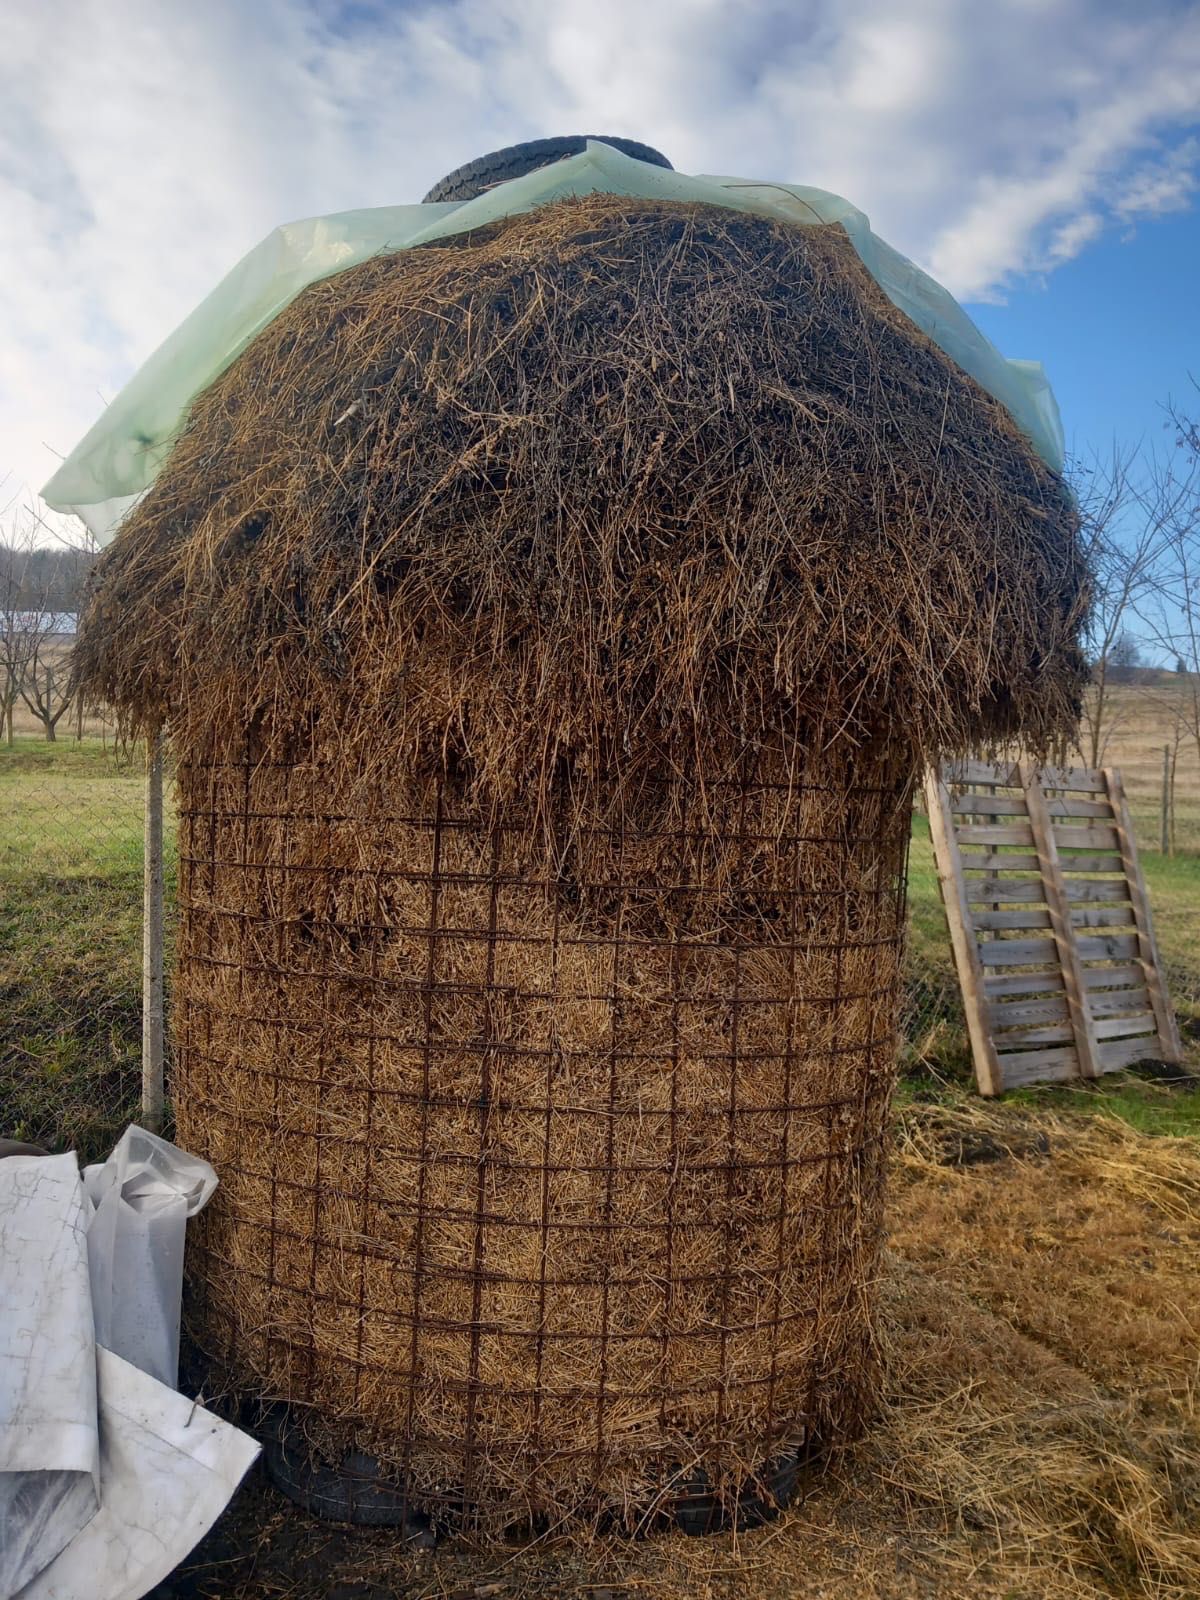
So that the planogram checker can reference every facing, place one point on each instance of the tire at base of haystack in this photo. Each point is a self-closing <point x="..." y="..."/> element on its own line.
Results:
<point x="550" y="624"/>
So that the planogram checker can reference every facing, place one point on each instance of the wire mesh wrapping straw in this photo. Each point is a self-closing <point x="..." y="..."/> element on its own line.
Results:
<point x="550" y="623"/>
<point x="566" y="1195"/>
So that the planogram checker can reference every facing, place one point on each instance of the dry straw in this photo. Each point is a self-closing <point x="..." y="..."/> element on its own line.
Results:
<point x="550" y="623"/>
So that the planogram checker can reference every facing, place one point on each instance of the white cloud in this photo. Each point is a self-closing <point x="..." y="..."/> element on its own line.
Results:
<point x="1161" y="186"/>
<point x="145" y="144"/>
<point x="1069" y="238"/>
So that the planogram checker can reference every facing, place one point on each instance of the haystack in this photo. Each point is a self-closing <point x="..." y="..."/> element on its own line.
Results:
<point x="550" y="624"/>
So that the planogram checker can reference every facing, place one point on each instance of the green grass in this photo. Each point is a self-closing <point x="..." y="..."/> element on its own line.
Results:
<point x="70" y="943"/>
<point x="1140" y="1100"/>
<point x="70" y="1009"/>
<point x="69" y="810"/>
<point x="1150" y="1106"/>
<point x="70" y="961"/>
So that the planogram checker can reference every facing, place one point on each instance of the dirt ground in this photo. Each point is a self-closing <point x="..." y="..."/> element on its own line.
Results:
<point x="1038" y="1434"/>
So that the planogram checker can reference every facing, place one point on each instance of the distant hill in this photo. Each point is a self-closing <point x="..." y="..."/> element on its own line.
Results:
<point x="1147" y="677"/>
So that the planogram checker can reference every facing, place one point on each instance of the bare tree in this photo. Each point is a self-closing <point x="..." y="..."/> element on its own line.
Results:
<point x="39" y="583"/>
<point x="1172" y="498"/>
<point x="15" y="643"/>
<point x="1124" y="547"/>
<point x="45" y="687"/>
<point x="1124" y="659"/>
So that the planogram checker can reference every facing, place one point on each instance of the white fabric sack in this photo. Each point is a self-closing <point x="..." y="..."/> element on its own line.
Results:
<point x="168" y="1468"/>
<point x="49" y="1449"/>
<point x="143" y="1194"/>
<point x="107" y="1477"/>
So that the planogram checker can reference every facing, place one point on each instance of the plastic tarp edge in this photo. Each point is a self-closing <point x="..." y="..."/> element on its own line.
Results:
<point x="120" y="455"/>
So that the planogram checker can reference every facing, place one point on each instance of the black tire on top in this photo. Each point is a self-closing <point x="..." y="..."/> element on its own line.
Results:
<point x="501" y="165"/>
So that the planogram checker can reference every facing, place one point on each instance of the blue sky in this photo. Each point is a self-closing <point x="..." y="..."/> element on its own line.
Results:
<point x="1040" y="157"/>
<point x="1118" y="329"/>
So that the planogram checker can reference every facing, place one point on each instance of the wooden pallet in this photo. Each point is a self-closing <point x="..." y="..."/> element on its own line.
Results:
<point x="1049" y="921"/>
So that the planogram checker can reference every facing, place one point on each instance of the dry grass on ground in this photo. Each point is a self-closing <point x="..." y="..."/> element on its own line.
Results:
<point x="1039" y="1435"/>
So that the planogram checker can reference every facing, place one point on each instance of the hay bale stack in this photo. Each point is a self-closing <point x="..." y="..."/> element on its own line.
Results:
<point x="550" y="623"/>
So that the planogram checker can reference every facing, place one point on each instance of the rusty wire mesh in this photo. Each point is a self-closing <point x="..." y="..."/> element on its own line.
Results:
<point x="562" y="1193"/>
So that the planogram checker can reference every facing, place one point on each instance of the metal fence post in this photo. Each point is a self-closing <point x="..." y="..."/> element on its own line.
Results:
<point x="1164" y="820"/>
<point x="152" y="942"/>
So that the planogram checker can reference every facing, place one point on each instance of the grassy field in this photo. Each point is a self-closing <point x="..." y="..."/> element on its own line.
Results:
<point x="70" y="942"/>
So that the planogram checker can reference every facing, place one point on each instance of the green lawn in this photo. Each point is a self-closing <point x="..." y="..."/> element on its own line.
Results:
<point x="70" y="954"/>
<point x="70" y="943"/>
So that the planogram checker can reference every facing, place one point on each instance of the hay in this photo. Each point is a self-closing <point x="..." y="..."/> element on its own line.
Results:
<point x="1067" y="1430"/>
<point x="607" y="1180"/>
<point x="607" y="481"/>
<point x="550" y="624"/>
<point x="999" y="1463"/>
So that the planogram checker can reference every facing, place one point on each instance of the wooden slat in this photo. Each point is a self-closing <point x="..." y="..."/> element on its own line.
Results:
<point x="1102" y="916"/>
<point x="1071" y="806"/>
<point x="1107" y="977"/>
<point x="1017" y="952"/>
<point x="1005" y="891"/>
<point x="1107" y="946"/>
<point x="1169" y="1046"/>
<point x="1027" y="1013"/>
<point x="988" y="805"/>
<point x="999" y="833"/>
<point x="1078" y="861"/>
<point x="1082" y="1028"/>
<point x="1087" y="778"/>
<point x="966" y="951"/>
<point x="1107" y="1005"/>
<point x="993" y="861"/>
<point x="1031" y="1066"/>
<point x="1123" y="1027"/>
<point x="1011" y="921"/>
<point x="1096" y="838"/>
<point x="1052" y="1033"/>
<point x="1080" y="890"/>
<point x="1000" y="983"/>
<point x="1118" y="1053"/>
<point x="1009" y="805"/>
<point x="1000" y="772"/>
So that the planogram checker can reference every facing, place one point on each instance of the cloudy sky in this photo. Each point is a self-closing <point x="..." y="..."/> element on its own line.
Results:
<point x="1040" y="157"/>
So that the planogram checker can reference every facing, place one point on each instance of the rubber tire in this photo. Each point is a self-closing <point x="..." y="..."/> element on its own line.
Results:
<point x="501" y="165"/>
<point x="697" y="1513"/>
<point x="357" y="1491"/>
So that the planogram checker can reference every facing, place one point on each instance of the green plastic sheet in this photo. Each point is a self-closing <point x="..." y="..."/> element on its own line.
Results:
<point x="119" y="457"/>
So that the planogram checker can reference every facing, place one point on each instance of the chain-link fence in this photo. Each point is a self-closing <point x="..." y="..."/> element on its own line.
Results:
<point x="71" y="843"/>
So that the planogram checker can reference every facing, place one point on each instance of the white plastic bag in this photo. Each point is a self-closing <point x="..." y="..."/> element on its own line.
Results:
<point x="49" y="1448"/>
<point x="168" y="1468"/>
<point x="143" y="1194"/>
<point x="107" y="1477"/>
